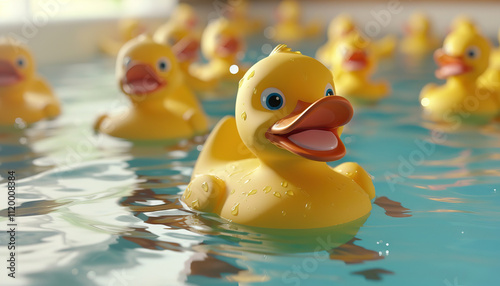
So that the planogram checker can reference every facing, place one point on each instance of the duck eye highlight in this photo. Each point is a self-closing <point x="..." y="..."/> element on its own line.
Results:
<point x="329" y="91"/>
<point x="163" y="65"/>
<point x="272" y="99"/>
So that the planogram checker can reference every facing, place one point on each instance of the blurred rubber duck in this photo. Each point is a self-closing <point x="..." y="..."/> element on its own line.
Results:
<point x="490" y="79"/>
<point x="353" y="64"/>
<point x="221" y="44"/>
<point x="342" y="26"/>
<point x="418" y="39"/>
<point x="266" y="167"/>
<point x="182" y="34"/>
<point x="127" y="30"/>
<point x="289" y="27"/>
<point x="238" y="16"/>
<point x="24" y="96"/>
<point x="463" y="58"/>
<point x="462" y="20"/>
<point x="163" y="108"/>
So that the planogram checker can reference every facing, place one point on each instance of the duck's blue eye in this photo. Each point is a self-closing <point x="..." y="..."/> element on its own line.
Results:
<point x="21" y="62"/>
<point x="329" y="90"/>
<point x="472" y="52"/>
<point x="163" y="64"/>
<point x="272" y="98"/>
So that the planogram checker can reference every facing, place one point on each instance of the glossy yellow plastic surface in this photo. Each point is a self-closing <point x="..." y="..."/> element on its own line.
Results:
<point x="182" y="34"/>
<point x="221" y="44"/>
<point x="462" y="99"/>
<point x="352" y="64"/>
<point x="23" y="94"/>
<point x="163" y="107"/>
<point x="289" y="27"/>
<point x="237" y="13"/>
<point x="261" y="168"/>
<point x="127" y="30"/>
<point x="418" y="39"/>
<point x="342" y="26"/>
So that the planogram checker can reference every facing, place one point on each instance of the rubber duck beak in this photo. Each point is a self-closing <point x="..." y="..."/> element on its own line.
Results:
<point x="311" y="130"/>
<point x="8" y="74"/>
<point x="228" y="46"/>
<point x="355" y="61"/>
<point x="449" y="65"/>
<point x="186" y="49"/>
<point x="141" y="79"/>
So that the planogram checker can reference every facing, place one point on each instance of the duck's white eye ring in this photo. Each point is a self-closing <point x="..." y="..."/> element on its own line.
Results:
<point x="272" y="98"/>
<point x="126" y="61"/>
<point x="473" y="52"/>
<point x="163" y="65"/>
<point x="329" y="91"/>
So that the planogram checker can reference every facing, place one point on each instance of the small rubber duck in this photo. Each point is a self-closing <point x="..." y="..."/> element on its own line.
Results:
<point x="418" y="39"/>
<point x="342" y="26"/>
<point x="352" y="65"/>
<point x="490" y="79"/>
<point x="127" y="30"/>
<point x="266" y="167"/>
<point x="163" y="107"/>
<point x="221" y="44"/>
<point x="23" y="94"/>
<point x="238" y="16"/>
<point x="181" y="33"/>
<point x="289" y="27"/>
<point x="462" y="59"/>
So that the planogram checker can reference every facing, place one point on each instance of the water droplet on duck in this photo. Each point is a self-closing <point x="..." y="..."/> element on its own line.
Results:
<point x="232" y="192"/>
<point x="284" y="184"/>
<point x="235" y="209"/>
<point x="244" y="116"/>
<point x="251" y="74"/>
<point x="290" y="193"/>
<point x="283" y="213"/>
<point x="241" y="82"/>
<point x="187" y="194"/>
<point x="308" y="205"/>
<point x="276" y="194"/>
<point x="195" y="204"/>
<point x="246" y="182"/>
<point x="252" y="192"/>
<point x="204" y="187"/>
<point x="267" y="189"/>
<point x="255" y="91"/>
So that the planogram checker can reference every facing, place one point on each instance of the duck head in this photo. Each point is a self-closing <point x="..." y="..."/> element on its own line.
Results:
<point x="146" y="70"/>
<point x="464" y="55"/>
<point x="130" y="28"/>
<point x="286" y="109"/>
<point x="288" y="11"/>
<point x="417" y="25"/>
<point x="352" y="54"/>
<point x="184" y="42"/>
<point x="185" y="16"/>
<point x="221" y="40"/>
<point x="341" y="26"/>
<point x="17" y="68"/>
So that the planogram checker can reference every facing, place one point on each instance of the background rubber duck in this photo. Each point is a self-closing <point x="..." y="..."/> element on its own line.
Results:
<point x="462" y="59"/>
<point x="163" y="107"/>
<point x="266" y="167"/>
<point x="127" y="30"/>
<point x="237" y="14"/>
<point x="342" y="26"/>
<point x="182" y="34"/>
<point x="289" y="27"/>
<point x="23" y="94"/>
<point x="418" y="39"/>
<point x="490" y="79"/>
<point x="352" y="64"/>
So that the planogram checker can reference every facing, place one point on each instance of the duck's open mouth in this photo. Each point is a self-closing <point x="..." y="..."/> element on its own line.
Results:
<point x="186" y="49"/>
<point x="141" y="79"/>
<point x="8" y="74"/>
<point x="228" y="46"/>
<point x="356" y="61"/>
<point x="311" y="130"/>
<point x="449" y="65"/>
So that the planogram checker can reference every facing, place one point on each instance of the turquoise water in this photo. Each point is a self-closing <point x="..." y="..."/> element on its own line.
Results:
<point x="97" y="211"/>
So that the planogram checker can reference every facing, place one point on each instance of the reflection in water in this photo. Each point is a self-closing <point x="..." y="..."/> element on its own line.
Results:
<point x="373" y="274"/>
<point x="353" y="254"/>
<point x="392" y="208"/>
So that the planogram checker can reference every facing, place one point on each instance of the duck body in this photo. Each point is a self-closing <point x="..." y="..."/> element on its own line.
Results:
<point x="23" y="94"/>
<point x="463" y="58"/>
<point x="163" y="107"/>
<point x="265" y="170"/>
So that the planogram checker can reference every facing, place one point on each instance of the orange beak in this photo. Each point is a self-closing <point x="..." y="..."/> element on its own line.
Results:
<point x="357" y="60"/>
<point x="8" y="74"/>
<point x="449" y="65"/>
<point x="228" y="46"/>
<point x="186" y="49"/>
<point x="311" y="130"/>
<point x="141" y="79"/>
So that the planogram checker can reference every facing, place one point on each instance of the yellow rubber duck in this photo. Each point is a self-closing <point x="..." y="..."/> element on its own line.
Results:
<point x="163" y="107"/>
<point x="221" y="44"/>
<point x="352" y="65"/>
<point x="266" y="167"/>
<point x="342" y="26"/>
<point x="238" y="15"/>
<point x="23" y="94"/>
<point x="127" y="30"/>
<point x="418" y="40"/>
<point x="463" y="58"/>
<point x="490" y="79"/>
<point x="182" y="34"/>
<point x="289" y="27"/>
